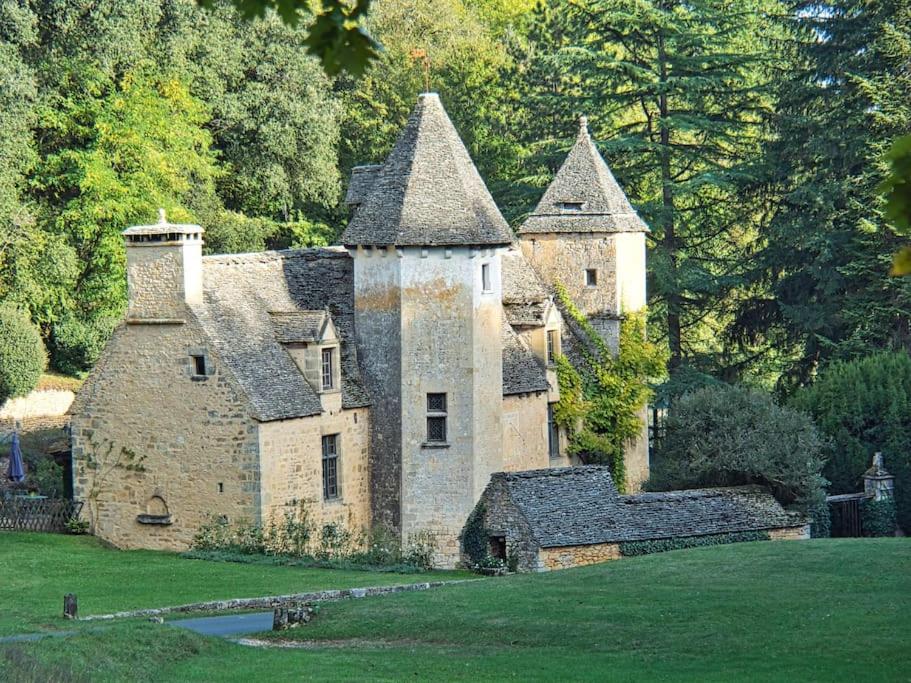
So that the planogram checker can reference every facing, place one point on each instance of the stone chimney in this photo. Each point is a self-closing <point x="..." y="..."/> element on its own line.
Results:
<point x="164" y="270"/>
<point x="878" y="483"/>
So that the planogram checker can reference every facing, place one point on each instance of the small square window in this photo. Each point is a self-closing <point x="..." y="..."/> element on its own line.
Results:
<point x="436" y="429"/>
<point x="199" y="365"/>
<point x="485" y="277"/>
<point x="591" y="277"/>
<point x="436" y="403"/>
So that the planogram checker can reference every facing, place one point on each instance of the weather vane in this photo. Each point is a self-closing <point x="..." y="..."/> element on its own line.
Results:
<point x="421" y="54"/>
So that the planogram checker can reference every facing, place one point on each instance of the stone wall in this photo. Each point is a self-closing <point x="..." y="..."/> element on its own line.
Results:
<point x="795" y="533"/>
<point x="291" y="462"/>
<point x="162" y="278"/>
<point x="377" y="315"/>
<point x="49" y="403"/>
<point x="576" y="556"/>
<point x="564" y="258"/>
<point x="503" y="519"/>
<point x="450" y="344"/>
<point x="636" y="457"/>
<point x="194" y="443"/>
<point x="525" y="432"/>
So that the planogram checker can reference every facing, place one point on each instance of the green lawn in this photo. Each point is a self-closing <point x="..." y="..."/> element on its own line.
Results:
<point x="37" y="570"/>
<point x="814" y="610"/>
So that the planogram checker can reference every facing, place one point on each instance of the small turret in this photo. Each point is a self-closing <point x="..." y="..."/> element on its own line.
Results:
<point x="586" y="236"/>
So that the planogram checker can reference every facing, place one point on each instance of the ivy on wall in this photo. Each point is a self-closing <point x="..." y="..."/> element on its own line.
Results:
<point x="632" y="548"/>
<point x="600" y="400"/>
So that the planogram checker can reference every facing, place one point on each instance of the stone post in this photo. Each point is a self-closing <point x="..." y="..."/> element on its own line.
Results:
<point x="878" y="483"/>
<point x="69" y="606"/>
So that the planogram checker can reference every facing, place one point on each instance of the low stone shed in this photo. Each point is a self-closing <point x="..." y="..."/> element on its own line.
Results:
<point x="574" y="516"/>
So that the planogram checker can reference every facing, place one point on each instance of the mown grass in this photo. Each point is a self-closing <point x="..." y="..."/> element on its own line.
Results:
<point x="37" y="570"/>
<point x="816" y="610"/>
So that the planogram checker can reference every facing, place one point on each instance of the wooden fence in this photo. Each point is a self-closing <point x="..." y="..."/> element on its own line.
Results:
<point x="37" y="514"/>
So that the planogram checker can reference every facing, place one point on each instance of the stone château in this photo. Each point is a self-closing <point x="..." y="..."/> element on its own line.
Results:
<point x="383" y="380"/>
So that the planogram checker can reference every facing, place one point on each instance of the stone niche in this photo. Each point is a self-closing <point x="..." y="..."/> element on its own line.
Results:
<point x="156" y="512"/>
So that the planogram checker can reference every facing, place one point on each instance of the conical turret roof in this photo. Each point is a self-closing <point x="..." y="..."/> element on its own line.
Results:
<point x="584" y="196"/>
<point x="428" y="193"/>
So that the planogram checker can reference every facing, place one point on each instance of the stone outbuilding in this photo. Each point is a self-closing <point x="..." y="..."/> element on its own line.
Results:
<point x="568" y="517"/>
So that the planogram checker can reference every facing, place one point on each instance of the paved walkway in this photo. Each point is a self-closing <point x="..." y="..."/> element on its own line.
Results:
<point x="227" y="625"/>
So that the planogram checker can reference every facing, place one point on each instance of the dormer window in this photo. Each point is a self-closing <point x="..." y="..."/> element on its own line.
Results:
<point x="571" y="207"/>
<point x="553" y="346"/>
<point x="328" y="369"/>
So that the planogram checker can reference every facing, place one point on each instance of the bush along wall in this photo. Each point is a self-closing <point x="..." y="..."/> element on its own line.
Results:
<point x="878" y="518"/>
<point x="632" y="548"/>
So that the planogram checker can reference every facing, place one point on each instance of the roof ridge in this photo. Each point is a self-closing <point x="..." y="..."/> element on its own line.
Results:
<point x="270" y="255"/>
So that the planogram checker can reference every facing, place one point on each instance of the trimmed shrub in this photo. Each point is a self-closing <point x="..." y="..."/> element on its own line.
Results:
<point x="864" y="406"/>
<point x="22" y="355"/>
<point x="631" y="548"/>
<point x="877" y="517"/>
<point x="76" y="344"/>
<point x="729" y="436"/>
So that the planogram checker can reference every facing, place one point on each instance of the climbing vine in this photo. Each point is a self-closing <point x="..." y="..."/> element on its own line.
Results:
<point x="601" y="398"/>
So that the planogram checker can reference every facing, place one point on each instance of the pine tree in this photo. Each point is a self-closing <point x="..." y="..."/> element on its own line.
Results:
<point x="679" y="91"/>
<point x="826" y="249"/>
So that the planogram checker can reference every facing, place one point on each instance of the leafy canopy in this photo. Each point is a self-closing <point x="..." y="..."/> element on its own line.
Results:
<point x="864" y="406"/>
<point x="727" y="436"/>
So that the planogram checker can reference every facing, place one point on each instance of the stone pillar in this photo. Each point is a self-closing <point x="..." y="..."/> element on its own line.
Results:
<point x="878" y="483"/>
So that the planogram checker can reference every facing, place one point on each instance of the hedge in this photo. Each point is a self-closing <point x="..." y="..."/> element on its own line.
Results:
<point x="631" y="548"/>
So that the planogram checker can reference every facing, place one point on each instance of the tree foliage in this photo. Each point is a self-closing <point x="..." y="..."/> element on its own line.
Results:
<point x="728" y="436"/>
<point x="864" y="406"/>
<point x="335" y="34"/>
<point x="820" y="277"/>
<point x="22" y="356"/>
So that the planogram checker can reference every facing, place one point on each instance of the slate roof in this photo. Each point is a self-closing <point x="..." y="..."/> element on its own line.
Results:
<point x="297" y="326"/>
<point x="428" y="192"/>
<point x="242" y="289"/>
<point x="524" y="296"/>
<point x="522" y="371"/>
<point x="580" y="506"/>
<point x="584" y="178"/>
<point x="362" y="178"/>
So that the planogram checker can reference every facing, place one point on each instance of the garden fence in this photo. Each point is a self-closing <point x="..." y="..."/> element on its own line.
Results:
<point x="37" y="514"/>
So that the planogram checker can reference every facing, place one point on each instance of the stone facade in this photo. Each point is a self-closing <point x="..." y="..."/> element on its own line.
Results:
<point x="291" y="468"/>
<point x="194" y="445"/>
<point x="215" y="395"/>
<point x="550" y="559"/>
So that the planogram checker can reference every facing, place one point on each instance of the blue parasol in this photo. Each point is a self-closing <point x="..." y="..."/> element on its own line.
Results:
<point x="16" y="471"/>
